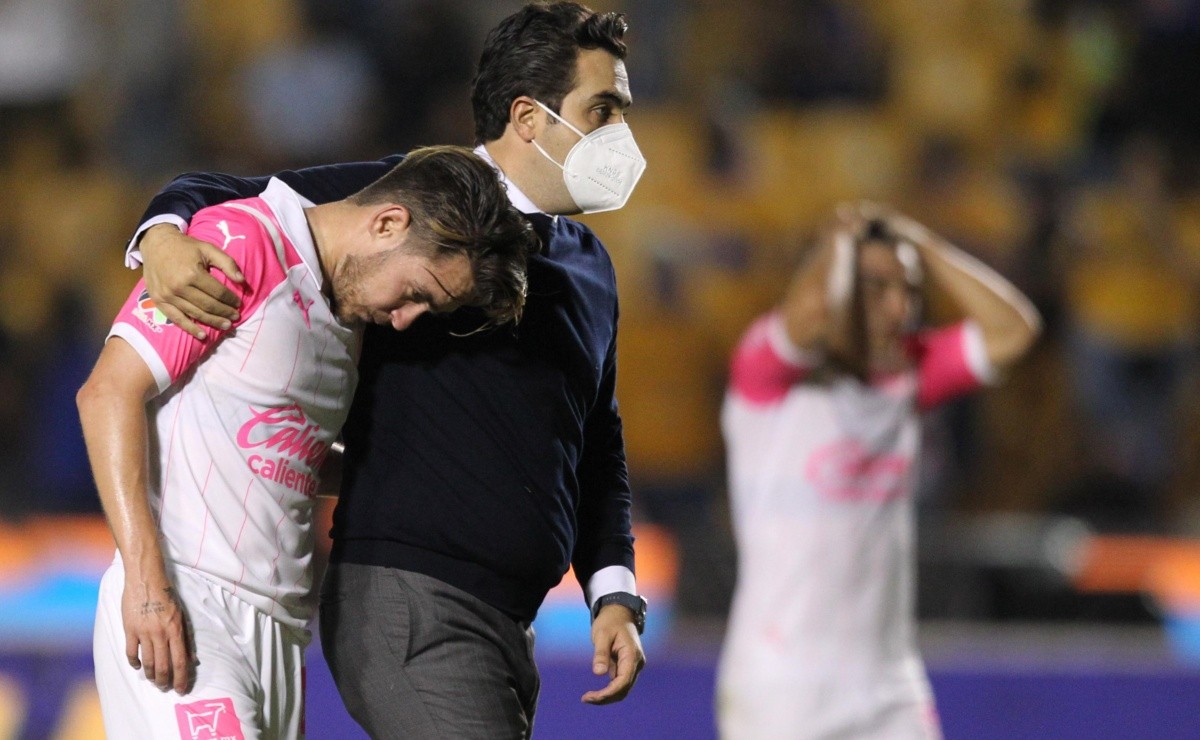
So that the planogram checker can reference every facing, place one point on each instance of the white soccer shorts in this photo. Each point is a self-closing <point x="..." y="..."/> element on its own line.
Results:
<point x="249" y="681"/>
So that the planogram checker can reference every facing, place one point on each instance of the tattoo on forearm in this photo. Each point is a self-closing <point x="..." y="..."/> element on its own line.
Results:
<point x="153" y="607"/>
<point x="158" y="607"/>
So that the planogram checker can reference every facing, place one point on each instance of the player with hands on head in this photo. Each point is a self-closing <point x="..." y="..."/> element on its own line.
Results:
<point x="821" y="423"/>
<point x="206" y="453"/>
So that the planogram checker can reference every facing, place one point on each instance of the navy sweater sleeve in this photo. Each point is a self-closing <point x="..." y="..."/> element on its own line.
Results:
<point x="190" y="192"/>
<point x="604" y="524"/>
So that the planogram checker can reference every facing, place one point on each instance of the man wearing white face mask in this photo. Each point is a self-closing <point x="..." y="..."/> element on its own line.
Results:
<point x="602" y="169"/>
<point x="477" y="468"/>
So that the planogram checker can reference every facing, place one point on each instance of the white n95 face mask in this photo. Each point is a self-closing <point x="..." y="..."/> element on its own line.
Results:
<point x="602" y="168"/>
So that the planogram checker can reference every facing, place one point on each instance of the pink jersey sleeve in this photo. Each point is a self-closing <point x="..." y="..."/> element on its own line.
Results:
<point x="951" y="362"/>
<point x="168" y="350"/>
<point x="766" y="364"/>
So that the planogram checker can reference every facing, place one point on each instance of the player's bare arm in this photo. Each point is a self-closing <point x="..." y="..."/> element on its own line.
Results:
<point x="112" y="409"/>
<point x="176" y="268"/>
<point x="1007" y="319"/>
<point x="618" y="653"/>
<point x="805" y="307"/>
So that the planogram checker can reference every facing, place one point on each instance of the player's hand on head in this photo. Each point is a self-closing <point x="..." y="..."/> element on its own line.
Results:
<point x="849" y="218"/>
<point x="870" y="210"/>
<point x="902" y="226"/>
<point x="176" y="269"/>
<point x="157" y="637"/>
<point x="618" y="653"/>
<point x="841" y="334"/>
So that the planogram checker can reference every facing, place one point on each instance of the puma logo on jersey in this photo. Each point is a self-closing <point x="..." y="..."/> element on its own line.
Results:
<point x="223" y="226"/>
<point x="304" y="306"/>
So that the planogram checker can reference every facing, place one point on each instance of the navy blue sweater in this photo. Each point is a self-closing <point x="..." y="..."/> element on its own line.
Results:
<point x="492" y="461"/>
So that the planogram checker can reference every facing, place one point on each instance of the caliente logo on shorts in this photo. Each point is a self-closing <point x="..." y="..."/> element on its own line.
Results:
<point x="291" y="447"/>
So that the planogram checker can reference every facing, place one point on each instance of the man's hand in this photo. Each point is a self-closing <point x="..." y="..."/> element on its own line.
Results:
<point x="156" y="625"/>
<point x="618" y="653"/>
<point x="176" y="267"/>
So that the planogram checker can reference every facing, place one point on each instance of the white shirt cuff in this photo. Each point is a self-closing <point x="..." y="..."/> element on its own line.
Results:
<point x="145" y="350"/>
<point x="610" y="580"/>
<point x="133" y="253"/>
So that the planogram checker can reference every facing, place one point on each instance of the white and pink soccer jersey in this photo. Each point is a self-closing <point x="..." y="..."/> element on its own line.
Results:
<point x="244" y="419"/>
<point x="821" y="638"/>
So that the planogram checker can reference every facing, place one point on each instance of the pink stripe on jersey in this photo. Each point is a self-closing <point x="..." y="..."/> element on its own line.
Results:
<point x="295" y="362"/>
<point x="943" y="367"/>
<point x="162" y="501"/>
<point x="254" y="343"/>
<point x="207" y="513"/>
<point x="241" y="530"/>
<point x="760" y="373"/>
<point x="275" y="561"/>
<point x="321" y="366"/>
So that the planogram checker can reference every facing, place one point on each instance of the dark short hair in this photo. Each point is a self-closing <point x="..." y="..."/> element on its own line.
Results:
<point x="533" y="52"/>
<point x="877" y="230"/>
<point x="459" y="207"/>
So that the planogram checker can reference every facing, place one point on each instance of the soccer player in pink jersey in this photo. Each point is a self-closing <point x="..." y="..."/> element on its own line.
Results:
<point x="206" y="453"/>
<point x="822" y="432"/>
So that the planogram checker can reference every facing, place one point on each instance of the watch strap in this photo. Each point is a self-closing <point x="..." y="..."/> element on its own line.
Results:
<point x="632" y="602"/>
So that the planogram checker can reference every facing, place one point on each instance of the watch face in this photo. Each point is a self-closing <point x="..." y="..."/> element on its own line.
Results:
<point x="640" y="607"/>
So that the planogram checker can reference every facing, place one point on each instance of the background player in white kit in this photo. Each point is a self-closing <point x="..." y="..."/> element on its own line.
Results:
<point x="206" y="453"/>
<point x="822" y="433"/>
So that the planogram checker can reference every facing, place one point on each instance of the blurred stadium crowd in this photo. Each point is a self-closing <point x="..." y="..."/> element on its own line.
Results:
<point x="1057" y="140"/>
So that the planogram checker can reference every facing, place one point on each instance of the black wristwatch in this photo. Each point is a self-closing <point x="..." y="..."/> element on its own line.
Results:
<point x="632" y="602"/>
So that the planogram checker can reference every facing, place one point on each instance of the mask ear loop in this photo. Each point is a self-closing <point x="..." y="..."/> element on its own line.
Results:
<point x="547" y="156"/>
<point x="565" y="123"/>
<point x="561" y="120"/>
